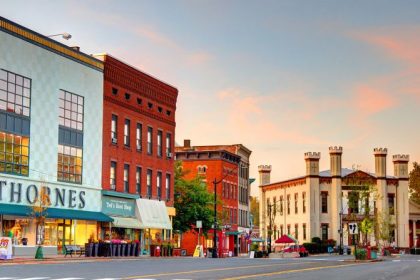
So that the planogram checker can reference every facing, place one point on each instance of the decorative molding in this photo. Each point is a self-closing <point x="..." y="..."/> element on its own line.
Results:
<point x="138" y="110"/>
<point x="285" y="184"/>
<point x="49" y="44"/>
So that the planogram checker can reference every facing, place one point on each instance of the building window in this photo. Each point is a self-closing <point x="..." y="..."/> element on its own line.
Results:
<point x="288" y="229"/>
<point x="296" y="203"/>
<point x="353" y="202"/>
<point x="70" y="164"/>
<point x="296" y="231"/>
<point x="139" y="137"/>
<point x="127" y="96"/>
<point x="160" y="109"/>
<point x="288" y="205"/>
<point x="114" y="125"/>
<point x="168" y="112"/>
<point x="268" y="206"/>
<point x="304" y="202"/>
<point x="149" y="183"/>
<point x="324" y="202"/>
<point x="281" y="230"/>
<point x="274" y="206"/>
<point x="71" y="110"/>
<point x="112" y="175"/>
<point x="114" y="91"/>
<point x="139" y="101"/>
<point x="324" y="231"/>
<point x="159" y="143"/>
<point x="15" y="93"/>
<point x="304" y="231"/>
<point x="159" y="184"/>
<point x="168" y="187"/>
<point x="14" y="154"/>
<point x="149" y="105"/>
<point x="281" y="206"/>
<point x="391" y="204"/>
<point x="138" y="180"/>
<point x="149" y="140"/>
<point x="168" y="145"/>
<point x="127" y="132"/>
<point x="126" y="178"/>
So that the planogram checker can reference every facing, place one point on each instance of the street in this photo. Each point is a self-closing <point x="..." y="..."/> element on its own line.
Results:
<point x="317" y="267"/>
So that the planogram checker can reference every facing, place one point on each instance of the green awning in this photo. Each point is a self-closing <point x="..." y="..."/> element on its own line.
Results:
<point x="23" y="210"/>
<point x="257" y="240"/>
<point x="232" y="233"/>
<point x="124" y="222"/>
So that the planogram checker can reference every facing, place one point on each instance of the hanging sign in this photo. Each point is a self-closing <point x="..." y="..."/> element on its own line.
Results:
<point x="5" y="248"/>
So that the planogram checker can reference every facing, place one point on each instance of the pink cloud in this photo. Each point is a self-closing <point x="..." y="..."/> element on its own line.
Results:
<point x="199" y="58"/>
<point x="370" y="100"/>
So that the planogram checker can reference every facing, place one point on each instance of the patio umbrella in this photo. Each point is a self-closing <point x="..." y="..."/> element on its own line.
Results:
<point x="285" y="239"/>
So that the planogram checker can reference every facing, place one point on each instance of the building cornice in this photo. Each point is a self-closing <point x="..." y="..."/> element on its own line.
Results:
<point x="138" y="110"/>
<point x="42" y="41"/>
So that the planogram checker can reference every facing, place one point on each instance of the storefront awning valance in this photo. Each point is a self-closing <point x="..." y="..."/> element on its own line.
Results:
<point x="152" y="214"/>
<point x="123" y="222"/>
<point x="24" y="210"/>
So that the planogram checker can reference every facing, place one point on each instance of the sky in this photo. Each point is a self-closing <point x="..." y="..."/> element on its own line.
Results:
<point x="280" y="77"/>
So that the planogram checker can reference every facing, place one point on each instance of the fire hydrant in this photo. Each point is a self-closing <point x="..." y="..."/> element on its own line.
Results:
<point x="157" y="252"/>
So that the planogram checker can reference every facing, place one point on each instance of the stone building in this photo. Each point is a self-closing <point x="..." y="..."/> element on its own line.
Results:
<point x="317" y="203"/>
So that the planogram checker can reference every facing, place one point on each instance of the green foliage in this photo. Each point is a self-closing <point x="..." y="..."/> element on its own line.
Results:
<point x="414" y="183"/>
<point x="255" y="210"/>
<point x="361" y="254"/>
<point x="316" y="240"/>
<point x="192" y="202"/>
<point x="312" y="247"/>
<point x="254" y="247"/>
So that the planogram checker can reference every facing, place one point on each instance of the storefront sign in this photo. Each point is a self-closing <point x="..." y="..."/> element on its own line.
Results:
<point x="28" y="194"/>
<point x="118" y="206"/>
<point x="5" y="248"/>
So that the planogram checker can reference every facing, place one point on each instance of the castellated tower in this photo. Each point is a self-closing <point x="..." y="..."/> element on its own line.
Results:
<point x="402" y="211"/>
<point x="264" y="172"/>
<point x="380" y="173"/>
<point x="312" y="181"/>
<point x="336" y="199"/>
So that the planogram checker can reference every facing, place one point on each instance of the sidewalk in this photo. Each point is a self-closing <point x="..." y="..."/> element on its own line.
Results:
<point x="62" y="259"/>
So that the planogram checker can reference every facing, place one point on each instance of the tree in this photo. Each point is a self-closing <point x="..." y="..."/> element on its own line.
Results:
<point x="192" y="202"/>
<point x="39" y="214"/>
<point x="255" y="210"/>
<point x="414" y="183"/>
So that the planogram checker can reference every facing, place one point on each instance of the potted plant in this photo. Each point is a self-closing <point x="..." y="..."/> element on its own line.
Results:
<point x="136" y="248"/>
<point x="123" y="248"/>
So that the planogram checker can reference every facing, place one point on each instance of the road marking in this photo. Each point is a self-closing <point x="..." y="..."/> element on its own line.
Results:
<point x="396" y="260"/>
<point x="212" y="270"/>
<point x="34" y="278"/>
<point x="70" y="278"/>
<point x="289" y="271"/>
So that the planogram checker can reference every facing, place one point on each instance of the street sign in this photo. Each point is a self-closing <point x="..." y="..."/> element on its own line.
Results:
<point x="199" y="224"/>
<point x="353" y="228"/>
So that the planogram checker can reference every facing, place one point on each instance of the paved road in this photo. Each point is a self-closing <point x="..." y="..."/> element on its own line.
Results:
<point x="328" y="267"/>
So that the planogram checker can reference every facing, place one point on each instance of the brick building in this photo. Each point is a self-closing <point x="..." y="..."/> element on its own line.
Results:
<point x="228" y="163"/>
<point x="137" y="161"/>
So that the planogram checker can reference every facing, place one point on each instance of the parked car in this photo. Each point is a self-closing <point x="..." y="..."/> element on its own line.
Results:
<point x="296" y="248"/>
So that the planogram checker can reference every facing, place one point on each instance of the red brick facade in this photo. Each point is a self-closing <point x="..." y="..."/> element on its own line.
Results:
<point x="132" y="95"/>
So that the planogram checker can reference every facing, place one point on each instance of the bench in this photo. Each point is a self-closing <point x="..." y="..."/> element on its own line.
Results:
<point x="73" y="249"/>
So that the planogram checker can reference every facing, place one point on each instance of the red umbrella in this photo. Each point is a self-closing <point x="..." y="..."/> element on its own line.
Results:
<point x="285" y="239"/>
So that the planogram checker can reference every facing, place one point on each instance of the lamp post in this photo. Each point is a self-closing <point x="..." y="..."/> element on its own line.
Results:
<point x="64" y="35"/>
<point x="215" y="182"/>
<point x="341" y="233"/>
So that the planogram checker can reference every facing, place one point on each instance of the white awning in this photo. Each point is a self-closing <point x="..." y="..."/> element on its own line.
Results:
<point x="123" y="222"/>
<point x="152" y="214"/>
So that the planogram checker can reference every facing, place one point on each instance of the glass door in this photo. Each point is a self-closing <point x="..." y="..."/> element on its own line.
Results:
<point x="65" y="234"/>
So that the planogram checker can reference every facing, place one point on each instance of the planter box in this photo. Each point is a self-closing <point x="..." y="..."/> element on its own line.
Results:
<point x="123" y="250"/>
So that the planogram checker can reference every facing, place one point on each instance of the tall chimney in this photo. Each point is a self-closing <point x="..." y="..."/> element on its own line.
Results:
<point x="380" y="162"/>
<point x="187" y="143"/>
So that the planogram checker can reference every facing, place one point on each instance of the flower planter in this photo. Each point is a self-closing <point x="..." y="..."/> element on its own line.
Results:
<point x="123" y="250"/>
<point x="118" y="251"/>
<point x="113" y="250"/>
<point x="95" y="249"/>
<point x="88" y="249"/>
<point x="137" y="248"/>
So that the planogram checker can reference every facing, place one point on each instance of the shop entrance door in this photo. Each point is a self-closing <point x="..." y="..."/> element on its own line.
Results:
<point x="65" y="234"/>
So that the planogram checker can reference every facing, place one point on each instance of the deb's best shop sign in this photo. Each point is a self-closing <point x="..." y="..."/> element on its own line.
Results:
<point x="118" y="206"/>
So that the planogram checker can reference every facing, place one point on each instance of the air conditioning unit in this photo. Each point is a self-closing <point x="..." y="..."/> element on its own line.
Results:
<point x="138" y="148"/>
<point x="169" y="155"/>
<point x="113" y="187"/>
<point x="114" y="140"/>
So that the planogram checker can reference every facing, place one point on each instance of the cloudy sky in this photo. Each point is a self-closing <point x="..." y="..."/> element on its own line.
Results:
<point x="280" y="77"/>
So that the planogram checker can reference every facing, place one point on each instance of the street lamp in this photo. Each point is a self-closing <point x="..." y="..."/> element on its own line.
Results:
<point x="341" y="232"/>
<point x="215" y="182"/>
<point x="64" y="35"/>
